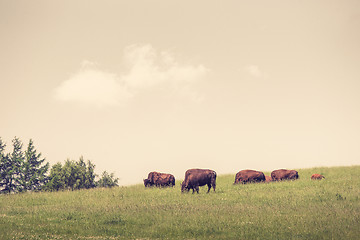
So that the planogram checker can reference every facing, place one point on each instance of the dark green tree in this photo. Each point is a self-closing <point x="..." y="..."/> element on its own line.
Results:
<point x="21" y="171"/>
<point x="108" y="180"/>
<point x="33" y="171"/>
<point x="80" y="173"/>
<point x="72" y="175"/>
<point x="17" y="159"/>
<point x="56" y="178"/>
<point x="11" y="167"/>
<point x="85" y="174"/>
<point x="90" y="175"/>
<point x="4" y="161"/>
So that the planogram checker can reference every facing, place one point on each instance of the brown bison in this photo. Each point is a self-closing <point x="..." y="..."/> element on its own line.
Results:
<point x="198" y="177"/>
<point x="150" y="180"/>
<point x="159" y="180"/>
<point x="284" y="174"/>
<point x="165" y="180"/>
<point x="317" y="176"/>
<point x="246" y="176"/>
<point x="268" y="179"/>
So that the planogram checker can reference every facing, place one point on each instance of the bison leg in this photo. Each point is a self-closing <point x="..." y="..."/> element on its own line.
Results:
<point x="195" y="188"/>
<point x="209" y="187"/>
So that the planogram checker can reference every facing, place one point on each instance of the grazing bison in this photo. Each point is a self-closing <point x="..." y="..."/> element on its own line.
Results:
<point x="198" y="177"/>
<point x="317" y="176"/>
<point x="150" y="180"/>
<point x="159" y="180"/>
<point x="268" y="179"/>
<point x="246" y="176"/>
<point x="283" y="174"/>
<point x="165" y="180"/>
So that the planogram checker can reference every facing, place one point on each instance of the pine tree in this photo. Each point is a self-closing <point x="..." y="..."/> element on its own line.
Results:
<point x="17" y="160"/>
<point x="11" y="167"/>
<point x="4" y="161"/>
<point x="33" y="174"/>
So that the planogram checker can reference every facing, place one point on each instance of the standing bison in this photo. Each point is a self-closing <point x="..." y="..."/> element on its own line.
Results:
<point x="159" y="180"/>
<point x="165" y="180"/>
<point x="151" y="179"/>
<point x="198" y="177"/>
<point x="246" y="176"/>
<point x="284" y="174"/>
<point x="317" y="176"/>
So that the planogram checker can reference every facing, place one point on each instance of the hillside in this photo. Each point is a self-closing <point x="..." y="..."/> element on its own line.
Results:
<point x="301" y="209"/>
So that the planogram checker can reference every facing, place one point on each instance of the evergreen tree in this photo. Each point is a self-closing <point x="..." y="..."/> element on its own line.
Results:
<point x="21" y="171"/>
<point x="4" y="161"/>
<point x="11" y="167"/>
<point x="16" y="162"/>
<point x="33" y="172"/>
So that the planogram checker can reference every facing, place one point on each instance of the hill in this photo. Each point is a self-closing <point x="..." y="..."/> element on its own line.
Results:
<point x="301" y="209"/>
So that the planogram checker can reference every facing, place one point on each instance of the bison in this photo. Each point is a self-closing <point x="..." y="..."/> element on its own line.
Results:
<point x="246" y="176"/>
<point x="159" y="180"/>
<point x="165" y="180"/>
<point x="317" y="176"/>
<point x="284" y="174"/>
<point x="198" y="177"/>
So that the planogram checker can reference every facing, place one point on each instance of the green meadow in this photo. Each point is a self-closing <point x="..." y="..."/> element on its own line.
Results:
<point x="301" y="209"/>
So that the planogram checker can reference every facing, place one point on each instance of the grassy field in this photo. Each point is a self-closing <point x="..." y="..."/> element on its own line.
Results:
<point x="301" y="209"/>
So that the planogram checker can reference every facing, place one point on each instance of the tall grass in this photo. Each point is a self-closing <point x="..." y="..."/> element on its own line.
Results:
<point x="301" y="209"/>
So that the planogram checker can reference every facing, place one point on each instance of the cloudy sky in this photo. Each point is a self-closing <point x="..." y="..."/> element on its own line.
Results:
<point x="137" y="86"/>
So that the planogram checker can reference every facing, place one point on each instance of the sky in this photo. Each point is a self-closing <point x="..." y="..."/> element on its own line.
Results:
<point x="139" y="86"/>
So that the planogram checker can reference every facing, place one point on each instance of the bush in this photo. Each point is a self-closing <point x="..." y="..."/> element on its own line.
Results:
<point x="73" y="175"/>
<point x="107" y="180"/>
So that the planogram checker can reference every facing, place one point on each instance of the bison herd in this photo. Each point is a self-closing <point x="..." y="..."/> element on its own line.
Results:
<point x="195" y="178"/>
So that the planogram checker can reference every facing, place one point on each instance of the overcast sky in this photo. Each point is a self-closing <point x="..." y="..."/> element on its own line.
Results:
<point x="140" y="86"/>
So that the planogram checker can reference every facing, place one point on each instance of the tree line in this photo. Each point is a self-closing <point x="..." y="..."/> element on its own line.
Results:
<point x="26" y="170"/>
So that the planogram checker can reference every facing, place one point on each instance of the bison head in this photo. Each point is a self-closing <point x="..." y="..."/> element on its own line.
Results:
<point x="184" y="187"/>
<point x="294" y="175"/>
<point x="147" y="182"/>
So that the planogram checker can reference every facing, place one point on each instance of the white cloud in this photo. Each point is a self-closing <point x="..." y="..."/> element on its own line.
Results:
<point x="254" y="71"/>
<point x="147" y="68"/>
<point x="92" y="86"/>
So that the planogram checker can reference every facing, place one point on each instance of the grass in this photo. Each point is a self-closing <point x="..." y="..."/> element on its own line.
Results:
<point x="301" y="209"/>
